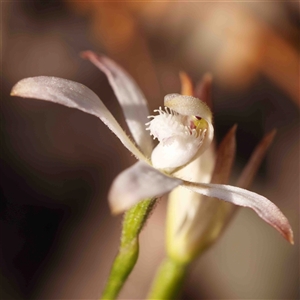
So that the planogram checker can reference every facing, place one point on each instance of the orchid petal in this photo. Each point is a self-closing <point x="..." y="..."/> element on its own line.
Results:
<point x="130" y="97"/>
<point x="191" y="106"/>
<point x="265" y="209"/>
<point x="74" y="95"/>
<point x="136" y="183"/>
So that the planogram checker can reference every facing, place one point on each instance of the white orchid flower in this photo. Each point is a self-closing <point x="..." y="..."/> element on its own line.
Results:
<point x="183" y="128"/>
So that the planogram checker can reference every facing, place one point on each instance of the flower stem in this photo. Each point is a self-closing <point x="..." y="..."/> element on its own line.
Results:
<point x="169" y="280"/>
<point x="134" y="220"/>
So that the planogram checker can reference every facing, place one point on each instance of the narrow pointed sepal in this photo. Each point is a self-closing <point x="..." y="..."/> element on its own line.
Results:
<point x="136" y="183"/>
<point x="265" y="209"/>
<point x="130" y="97"/>
<point x="75" y="95"/>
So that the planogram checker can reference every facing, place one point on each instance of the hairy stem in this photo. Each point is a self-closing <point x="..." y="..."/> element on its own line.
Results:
<point x="134" y="220"/>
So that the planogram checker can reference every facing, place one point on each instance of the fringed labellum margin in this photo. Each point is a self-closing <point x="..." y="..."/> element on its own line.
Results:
<point x="183" y="133"/>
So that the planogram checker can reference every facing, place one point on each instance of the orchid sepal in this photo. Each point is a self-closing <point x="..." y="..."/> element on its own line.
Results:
<point x="264" y="208"/>
<point x="74" y="95"/>
<point x="131" y="98"/>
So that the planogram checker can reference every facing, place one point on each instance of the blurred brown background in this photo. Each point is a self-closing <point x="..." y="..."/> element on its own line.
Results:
<point x="58" y="238"/>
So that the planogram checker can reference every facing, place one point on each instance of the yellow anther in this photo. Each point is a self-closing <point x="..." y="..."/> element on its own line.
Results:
<point x="199" y="123"/>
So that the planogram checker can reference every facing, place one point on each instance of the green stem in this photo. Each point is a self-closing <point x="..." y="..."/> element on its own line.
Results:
<point x="168" y="281"/>
<point x="134" y="220"/>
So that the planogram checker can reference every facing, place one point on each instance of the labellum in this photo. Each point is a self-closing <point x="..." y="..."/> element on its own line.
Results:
<point x="182" y="132"/>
